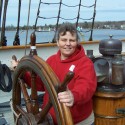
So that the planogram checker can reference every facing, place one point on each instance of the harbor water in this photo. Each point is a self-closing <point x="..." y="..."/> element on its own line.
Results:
<point x="41" y="37"/>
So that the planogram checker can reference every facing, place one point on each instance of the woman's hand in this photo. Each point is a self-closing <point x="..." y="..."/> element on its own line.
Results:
<point x="14" y="63"/>
<point x="66" y="97"/>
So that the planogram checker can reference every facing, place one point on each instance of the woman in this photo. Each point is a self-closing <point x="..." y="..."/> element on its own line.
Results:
<point x="80" y="90"/>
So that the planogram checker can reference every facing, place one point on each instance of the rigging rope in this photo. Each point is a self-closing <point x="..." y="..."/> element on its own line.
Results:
<point x="58" y="17"/>
<point x="78" y="13"/>
<point x="54" y="39"/>
<point x="3" y="41"/>
<point x="1" y="4"/>
<point x="17" y="40"/>
<point x="94" y="14"/>
<point x="68" y="5"/>
<point x="38" y="12"/>
<point x="27" y="25"/>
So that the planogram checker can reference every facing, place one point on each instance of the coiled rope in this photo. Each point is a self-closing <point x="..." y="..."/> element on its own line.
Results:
<point x="4" y="70"/>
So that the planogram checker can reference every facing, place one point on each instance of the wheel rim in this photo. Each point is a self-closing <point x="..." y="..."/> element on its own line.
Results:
<point x="50" y="80"/>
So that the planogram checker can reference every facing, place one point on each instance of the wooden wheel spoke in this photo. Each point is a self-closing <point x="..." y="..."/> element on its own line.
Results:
<point x="27" y="118"/>
<point x="22" y="111"/>
<point x="25" y="95"/>
<point x="42" y="114"/>
<point x="34" y="96"/>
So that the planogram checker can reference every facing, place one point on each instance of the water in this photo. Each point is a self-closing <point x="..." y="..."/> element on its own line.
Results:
<point x="98" y="34"/>
<point x="40" y="37"/>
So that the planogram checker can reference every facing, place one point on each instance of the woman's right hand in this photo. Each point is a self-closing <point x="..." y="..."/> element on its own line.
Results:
<point x="14" y="62"/>
<point x="66" y="97"/>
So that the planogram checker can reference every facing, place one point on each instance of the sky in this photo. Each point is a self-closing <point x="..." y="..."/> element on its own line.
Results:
<point x="106" y="10"/>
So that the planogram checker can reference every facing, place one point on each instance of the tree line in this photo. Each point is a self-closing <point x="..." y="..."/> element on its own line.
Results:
<point x="84" y="25"/>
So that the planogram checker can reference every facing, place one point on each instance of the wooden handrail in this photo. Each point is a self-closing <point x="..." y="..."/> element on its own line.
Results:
<point x="47" y="45"/>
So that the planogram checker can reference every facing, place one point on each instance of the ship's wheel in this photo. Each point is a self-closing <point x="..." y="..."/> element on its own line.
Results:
<point x="31" y="114"/>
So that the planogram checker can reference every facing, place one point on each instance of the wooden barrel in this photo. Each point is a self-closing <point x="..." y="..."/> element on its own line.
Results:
<point x="106" y="105"/>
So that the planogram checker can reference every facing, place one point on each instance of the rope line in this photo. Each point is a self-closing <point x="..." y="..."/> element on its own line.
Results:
<point x="68" y="5"/>
<point x="4" y="70"/>
<point x="59" y="16"/>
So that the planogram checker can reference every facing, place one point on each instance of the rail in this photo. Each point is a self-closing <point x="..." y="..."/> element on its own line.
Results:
<point x="47" y="45"/>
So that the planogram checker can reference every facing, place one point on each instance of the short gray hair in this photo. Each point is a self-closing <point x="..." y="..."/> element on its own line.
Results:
<point x="67" y="27"/>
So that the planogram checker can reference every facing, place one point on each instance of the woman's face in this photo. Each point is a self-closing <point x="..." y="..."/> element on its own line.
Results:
<point x="67" y="45"/>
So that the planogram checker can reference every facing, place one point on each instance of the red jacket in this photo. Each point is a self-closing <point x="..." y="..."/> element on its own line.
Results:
<point x="83" y="84"/>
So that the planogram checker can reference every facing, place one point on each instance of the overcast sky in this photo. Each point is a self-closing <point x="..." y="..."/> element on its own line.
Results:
<point x="107" y="10"/>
